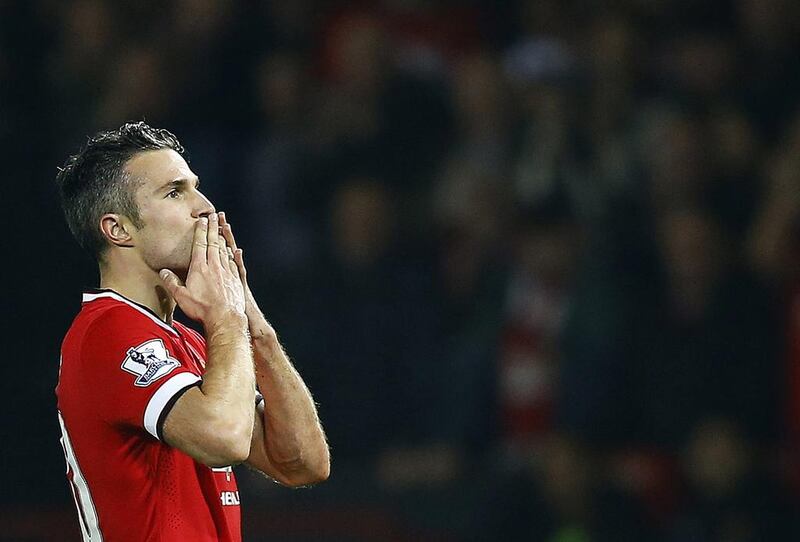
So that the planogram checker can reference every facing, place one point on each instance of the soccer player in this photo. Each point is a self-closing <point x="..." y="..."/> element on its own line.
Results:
<point x="153" y="415"/>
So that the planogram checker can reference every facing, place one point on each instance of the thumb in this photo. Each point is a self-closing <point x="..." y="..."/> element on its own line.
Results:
<point x="171" y="282"/>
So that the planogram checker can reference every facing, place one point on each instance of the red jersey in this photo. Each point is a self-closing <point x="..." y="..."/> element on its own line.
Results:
<point x="122" y="369"/>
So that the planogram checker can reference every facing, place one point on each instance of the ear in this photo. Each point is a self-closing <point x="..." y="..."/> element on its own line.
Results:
<point x="115" y="228"/>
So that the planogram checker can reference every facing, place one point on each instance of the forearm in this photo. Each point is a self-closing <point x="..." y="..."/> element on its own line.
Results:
<point x="294" y="438"/>
<point x="288" y="443"/>
<point x="213" y="423"/>
<point x="229" y="379"/>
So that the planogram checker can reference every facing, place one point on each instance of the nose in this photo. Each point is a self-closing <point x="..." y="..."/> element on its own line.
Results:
<point x="204" y="207"/>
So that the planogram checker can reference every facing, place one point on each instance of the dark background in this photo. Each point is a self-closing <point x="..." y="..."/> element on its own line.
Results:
<point x="537" y="261"/>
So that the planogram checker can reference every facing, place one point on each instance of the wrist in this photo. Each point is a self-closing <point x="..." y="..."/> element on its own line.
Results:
<point x="229" y="321"/>
<point x="264" y="337"/>
<point x="266" y="348"/>
<point x="260" y="329"/>
<point x="265" y="343"/>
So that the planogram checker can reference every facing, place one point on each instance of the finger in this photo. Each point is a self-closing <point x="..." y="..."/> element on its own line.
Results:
<point x="235" y="267"/>
<point x="199" y="243"/>
<point x="227" y="231"/>
<point x="230" y="260"/>
<point x="172" y="283"/>
<point x="230" y="242"/>
<point x="223" y="253"/>
<point x="238" y="257"/>
<point x="213" y="238"/>
<point x="226" y="256"/>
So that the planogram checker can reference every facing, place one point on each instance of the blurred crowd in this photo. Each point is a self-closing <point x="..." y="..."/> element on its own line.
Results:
<point x="536" y="260"/>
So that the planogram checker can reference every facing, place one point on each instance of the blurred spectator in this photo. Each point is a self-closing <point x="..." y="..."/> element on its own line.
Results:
<point x="276" y="169"/>
<point x="537" y="299"/>
<point x="482" y="123"/>
<point x="426" y="36"/>
<point x="737" y="151"/>
<point x="698" y="66"/>
<point x="707" y="340"/>
<point x="676" y="160"/>
<point x="472" y="221"/>
<point x="78" y="66"/>
<point x="773" y="249"/>
<point x="368" y="354"/>
<point x="615" y="53"/>
<point x="773" y="240"/>
<point x="770" y="66"/>
<point x="568" y="499"/>
<point x="137" y="87"/>
<point x="550" y="154"/>
<point x="730" y="497"/>
<point x="372" y="115"/>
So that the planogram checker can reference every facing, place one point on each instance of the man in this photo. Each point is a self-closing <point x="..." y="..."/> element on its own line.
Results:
<point x="152" y="414"/>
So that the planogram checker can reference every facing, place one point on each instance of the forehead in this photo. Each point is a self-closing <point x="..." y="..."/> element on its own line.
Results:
<point x="156" y="167"/>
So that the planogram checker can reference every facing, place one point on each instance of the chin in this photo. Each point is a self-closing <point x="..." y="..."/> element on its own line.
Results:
<point x="176" y="263"/>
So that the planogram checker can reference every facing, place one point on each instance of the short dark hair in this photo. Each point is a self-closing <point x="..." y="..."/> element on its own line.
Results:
<point x="93" y="181"/>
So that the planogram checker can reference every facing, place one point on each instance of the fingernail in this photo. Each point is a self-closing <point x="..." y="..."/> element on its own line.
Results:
<point x="203" y="220"/>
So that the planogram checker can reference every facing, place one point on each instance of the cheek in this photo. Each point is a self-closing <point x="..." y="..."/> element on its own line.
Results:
<point x="167" y="233"/>
<point x="163" y="237"/>
<point x="169" y="248"/>
<point x="167" y="224"/>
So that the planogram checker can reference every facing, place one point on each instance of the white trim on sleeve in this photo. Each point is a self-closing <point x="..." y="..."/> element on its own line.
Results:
<point x="162" y="396"/>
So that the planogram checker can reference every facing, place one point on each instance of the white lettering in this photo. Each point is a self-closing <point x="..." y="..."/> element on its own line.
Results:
<point x="229" y="498"/>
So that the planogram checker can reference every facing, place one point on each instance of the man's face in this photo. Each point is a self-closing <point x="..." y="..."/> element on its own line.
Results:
<point x="169" y="206"/>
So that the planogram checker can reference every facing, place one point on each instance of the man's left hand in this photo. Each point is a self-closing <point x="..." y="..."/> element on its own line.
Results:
<point x="260" y="328"/>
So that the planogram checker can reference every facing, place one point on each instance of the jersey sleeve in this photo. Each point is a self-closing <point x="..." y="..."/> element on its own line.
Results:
<point x="132" y="371"/>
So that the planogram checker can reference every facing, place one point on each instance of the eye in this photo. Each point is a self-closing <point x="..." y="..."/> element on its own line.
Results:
<point x="174" y="193"/>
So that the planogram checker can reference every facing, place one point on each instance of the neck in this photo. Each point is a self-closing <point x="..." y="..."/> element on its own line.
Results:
<point x="143" y="287"/>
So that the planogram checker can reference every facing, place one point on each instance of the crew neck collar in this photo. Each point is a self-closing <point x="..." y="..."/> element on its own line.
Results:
<point x="107" y="293"/>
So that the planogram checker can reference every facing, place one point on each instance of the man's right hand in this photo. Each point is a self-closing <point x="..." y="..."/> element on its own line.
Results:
<point x="213" y="291"/>
<point x="213" y="423"/>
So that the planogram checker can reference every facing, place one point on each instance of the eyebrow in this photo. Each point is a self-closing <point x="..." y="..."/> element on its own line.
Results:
<point x="177" y="183"/>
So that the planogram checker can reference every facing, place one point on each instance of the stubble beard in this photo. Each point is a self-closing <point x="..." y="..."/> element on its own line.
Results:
<point x="182" y="255"/>
<point x="177" y="260"/>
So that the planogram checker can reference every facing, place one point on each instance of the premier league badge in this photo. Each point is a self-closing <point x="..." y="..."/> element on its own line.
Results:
<point x="149" y="361"/>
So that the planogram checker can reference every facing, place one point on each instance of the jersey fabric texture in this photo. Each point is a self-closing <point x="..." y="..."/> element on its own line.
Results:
<point x="122" y="369"/>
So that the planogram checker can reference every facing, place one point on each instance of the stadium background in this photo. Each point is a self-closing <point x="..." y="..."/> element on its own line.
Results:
<point x="537" y="260"/>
